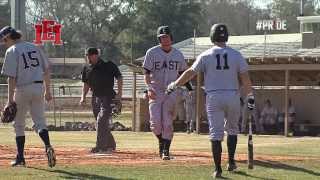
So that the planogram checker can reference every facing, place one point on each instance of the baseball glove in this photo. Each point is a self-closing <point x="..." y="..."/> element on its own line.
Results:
<point x="116" y="106"/>
<point x="9" y="113"/>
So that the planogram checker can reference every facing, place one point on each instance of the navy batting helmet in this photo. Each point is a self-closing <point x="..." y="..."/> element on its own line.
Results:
<point x="164" y="30"/>
<point x="219" y="33"/>
<point x="6" y="31"/>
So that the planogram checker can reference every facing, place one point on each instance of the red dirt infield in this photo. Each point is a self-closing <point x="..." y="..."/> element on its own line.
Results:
<point x="75" y="156"/>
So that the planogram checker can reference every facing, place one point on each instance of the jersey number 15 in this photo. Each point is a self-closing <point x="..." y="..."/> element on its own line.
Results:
<point x="31" y="61"/>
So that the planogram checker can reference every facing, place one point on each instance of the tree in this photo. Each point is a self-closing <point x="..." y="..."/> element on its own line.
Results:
<point x="4" y="20"/>
<point x="4" y="14"/>
<point x="86" y="23"/>
<point x="182" y="16"/>
<point x="239" y="16"/>
<point x="290" y="10"/>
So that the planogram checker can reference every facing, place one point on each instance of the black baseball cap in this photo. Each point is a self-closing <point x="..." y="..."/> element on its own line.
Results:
<point x="91" y="51"/>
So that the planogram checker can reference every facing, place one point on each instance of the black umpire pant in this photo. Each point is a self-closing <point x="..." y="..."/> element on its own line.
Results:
<point x="102" y="112"/>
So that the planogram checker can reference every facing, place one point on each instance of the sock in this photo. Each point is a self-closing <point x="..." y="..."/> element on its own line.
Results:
<point x="20" y="140"/>
<point x="166" y="146"/>
<point x="216" y="153"/>
<point x="232" y="145"/>
<point x="161" y="143"/>
<point x="44" y="135"/>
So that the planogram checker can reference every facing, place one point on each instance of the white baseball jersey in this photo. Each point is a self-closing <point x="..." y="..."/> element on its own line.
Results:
<point x="164" y="66"/>
<point x="25" y="62"/>
<point x="221" y="67"/>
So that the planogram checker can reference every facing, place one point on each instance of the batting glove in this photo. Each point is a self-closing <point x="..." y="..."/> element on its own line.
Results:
<point x="171" y="87"/>
<point x="250" y="101"/>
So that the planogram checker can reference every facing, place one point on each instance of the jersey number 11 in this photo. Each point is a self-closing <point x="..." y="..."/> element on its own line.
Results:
<point x="225" y="57"/>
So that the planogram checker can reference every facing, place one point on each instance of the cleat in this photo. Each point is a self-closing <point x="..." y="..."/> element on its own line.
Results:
<point x="106" y="151"/>
<point x="217" y="173"/>
<point x="165" y="155"/>
<point x="51" y="156"/>
<point x="95" y="150"/>
<point x="18" y="162"/>
<point x="231" y="166"/>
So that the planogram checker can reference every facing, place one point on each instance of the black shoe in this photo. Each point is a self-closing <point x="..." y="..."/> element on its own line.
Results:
<point x="95" y="150"/>
<point x="51" y="156"/>
<point x="18" y="162"/>
<point x="217" y="173"/>
<point x="165" y="155"/>
<point x="231" y="166"/>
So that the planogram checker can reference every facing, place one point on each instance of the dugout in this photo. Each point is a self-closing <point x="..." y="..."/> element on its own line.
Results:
<point x="281" y="66"/>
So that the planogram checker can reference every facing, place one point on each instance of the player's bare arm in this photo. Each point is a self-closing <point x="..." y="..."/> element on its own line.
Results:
<point x="47" y="81"/>
<point x="247" y="86"/>
<point x="120" y="84"/>
<point x="85" y="89"/>
<point x="246" y="82"/>
<point x="11" y="86"/>
<point x="182" y="80"/>
<point x="147" y="81"/>
<point x="185" y="77"/>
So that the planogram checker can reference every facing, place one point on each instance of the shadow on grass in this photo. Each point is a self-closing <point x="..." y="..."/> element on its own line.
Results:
<point x="222" y="177"/>
<point x="75" y="175"/>
<point x="243" y="173"/>
<point x="279" y="165"/>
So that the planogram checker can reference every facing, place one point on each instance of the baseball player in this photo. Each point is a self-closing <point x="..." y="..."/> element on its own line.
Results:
<point x="223" y="67"/>
<point x="27" y="69"/>
<point x="162" y="65"/>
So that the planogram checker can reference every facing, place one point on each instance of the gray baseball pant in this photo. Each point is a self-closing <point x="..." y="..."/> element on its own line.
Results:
<point x="102" y="112"/>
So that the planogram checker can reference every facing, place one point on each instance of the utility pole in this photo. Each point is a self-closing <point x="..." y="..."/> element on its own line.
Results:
<point x="18" y="15"/>
<point x="301" y="7"/>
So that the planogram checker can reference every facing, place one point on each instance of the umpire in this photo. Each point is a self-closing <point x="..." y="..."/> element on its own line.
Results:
<point x="99" y="78"/>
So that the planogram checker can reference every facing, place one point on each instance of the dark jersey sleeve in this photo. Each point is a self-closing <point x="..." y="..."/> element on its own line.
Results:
<point x="116" y="72"/>
<point x="188" y="86"/>
<point x="84" y="74"/>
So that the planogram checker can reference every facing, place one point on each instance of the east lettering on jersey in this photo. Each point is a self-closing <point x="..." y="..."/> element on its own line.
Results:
<point x="171" y="65"/>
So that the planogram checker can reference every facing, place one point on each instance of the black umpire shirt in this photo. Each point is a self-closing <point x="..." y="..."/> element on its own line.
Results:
<point x="100" y="78"/>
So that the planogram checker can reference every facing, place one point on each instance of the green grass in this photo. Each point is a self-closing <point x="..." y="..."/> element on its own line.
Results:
<point x="139" y="141"/>
<point x="264" y="170"/>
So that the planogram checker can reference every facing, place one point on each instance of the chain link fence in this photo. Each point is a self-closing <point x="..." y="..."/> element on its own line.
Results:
<point x="63" y="112"/>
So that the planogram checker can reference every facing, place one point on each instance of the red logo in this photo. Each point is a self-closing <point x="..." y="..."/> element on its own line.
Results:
<point x="48" y="30"/>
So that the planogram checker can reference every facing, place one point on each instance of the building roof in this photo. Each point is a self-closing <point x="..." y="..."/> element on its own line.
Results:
<point x="252" y="46"/>
<point x="268" y="56"/>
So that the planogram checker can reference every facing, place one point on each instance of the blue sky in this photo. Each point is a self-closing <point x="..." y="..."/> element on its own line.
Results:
<point x="262" y="3"/>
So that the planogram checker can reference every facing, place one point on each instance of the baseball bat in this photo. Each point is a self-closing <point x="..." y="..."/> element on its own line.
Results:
<point x="250" y="143"/>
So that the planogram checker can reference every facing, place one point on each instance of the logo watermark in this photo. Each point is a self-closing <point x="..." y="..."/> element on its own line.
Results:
<point x="271" y="25"/>
<point x="48" y="31"/>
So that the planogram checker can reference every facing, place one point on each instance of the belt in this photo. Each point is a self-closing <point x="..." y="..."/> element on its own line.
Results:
<point x="40" y="82"/>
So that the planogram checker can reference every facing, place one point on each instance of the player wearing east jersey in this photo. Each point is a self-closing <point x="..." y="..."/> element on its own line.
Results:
<point x="27" y="68"/>
<point x="162" y="65"/>
<point x="223" y="67"/>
